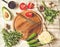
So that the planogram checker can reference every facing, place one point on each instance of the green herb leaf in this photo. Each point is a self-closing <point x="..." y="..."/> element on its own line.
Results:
<point x="49" y="13"/>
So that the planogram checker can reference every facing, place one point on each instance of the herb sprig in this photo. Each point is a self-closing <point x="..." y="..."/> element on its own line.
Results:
<point x="49" y="13"/>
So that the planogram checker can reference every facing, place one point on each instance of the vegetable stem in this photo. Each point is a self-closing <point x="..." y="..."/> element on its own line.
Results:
<point x="44" y="4"/>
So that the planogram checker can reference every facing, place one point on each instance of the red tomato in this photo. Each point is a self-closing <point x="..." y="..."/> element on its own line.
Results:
<point x="30" y="5"/>
<point x="23" y="6"/>
<point x="29" y="14"/>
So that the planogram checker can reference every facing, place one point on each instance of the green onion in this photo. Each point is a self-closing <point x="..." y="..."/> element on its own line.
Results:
<point x="31" y="36"/>
<point x="11" y="38"/>
<point x="36" y="45"/>
<point x="33" y="41"/>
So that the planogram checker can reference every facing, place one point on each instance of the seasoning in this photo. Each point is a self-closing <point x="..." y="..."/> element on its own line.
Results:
<point x="7" y="26"/>
<point x="41" y="8"/>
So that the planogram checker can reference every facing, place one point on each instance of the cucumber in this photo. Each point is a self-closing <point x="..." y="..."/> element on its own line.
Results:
<point x="33" y="41"/>
<point x="31" y="36"/>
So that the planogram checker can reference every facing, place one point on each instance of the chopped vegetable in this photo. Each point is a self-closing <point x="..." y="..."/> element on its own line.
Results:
<point x="31" y="36"/>
<point x="49" y="13"/>
<point x="33" y="41"/>
<point x="11" y="38"/>
<point x="45" y="37"/>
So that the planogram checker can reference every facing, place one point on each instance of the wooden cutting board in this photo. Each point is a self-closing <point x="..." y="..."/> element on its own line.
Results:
<point x="28" y="25"/>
